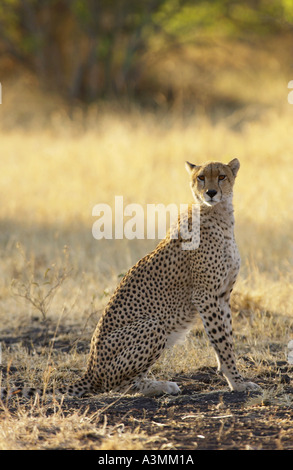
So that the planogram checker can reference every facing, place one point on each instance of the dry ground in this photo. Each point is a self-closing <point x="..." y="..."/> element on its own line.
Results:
<point x="205" y="416"/>
<point x="55" y="278"/>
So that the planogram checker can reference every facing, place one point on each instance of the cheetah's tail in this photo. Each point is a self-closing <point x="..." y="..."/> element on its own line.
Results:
<point x="78" y="389"/>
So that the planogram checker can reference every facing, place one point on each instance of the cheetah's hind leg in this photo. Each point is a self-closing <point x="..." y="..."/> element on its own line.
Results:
<point x="151" y="387"/>
<point x="124" y="357"/>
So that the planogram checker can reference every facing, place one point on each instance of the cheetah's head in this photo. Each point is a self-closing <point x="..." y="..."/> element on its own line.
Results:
<point x="212" y="182"/>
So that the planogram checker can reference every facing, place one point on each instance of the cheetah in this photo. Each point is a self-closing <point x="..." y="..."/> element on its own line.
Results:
<point x="157" y="301"/>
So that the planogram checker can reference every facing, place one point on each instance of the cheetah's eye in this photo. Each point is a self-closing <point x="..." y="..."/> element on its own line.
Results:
<point x="222" y="177"/>
<point x="201" y="178"/>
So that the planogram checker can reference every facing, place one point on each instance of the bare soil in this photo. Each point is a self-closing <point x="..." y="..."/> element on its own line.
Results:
<point x="201" y="419"/>
<point x="204" y="416"/>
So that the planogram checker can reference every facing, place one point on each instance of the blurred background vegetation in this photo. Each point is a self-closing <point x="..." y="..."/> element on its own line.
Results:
<point x="159" y="53"/>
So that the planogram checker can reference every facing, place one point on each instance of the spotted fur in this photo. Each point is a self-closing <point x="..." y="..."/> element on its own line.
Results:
<point x="158" y="299"/>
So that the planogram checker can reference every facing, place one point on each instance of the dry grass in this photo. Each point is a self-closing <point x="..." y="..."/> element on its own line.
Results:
<point x="51" y="178"/>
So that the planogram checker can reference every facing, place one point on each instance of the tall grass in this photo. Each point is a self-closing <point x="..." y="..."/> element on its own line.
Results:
<point x="49" y="183"/>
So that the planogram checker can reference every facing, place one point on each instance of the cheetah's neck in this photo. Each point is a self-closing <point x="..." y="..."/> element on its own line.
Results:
<point x="222" y="213"/>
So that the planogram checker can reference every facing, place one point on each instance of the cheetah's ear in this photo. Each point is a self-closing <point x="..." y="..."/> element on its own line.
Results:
<point x="234" y="165"/>
<point x="189" y="167"/>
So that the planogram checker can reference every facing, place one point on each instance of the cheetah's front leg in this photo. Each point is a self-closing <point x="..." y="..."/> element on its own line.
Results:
<point x="217" y="325"/>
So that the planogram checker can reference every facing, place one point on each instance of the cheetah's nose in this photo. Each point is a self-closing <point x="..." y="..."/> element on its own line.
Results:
<point x="211" y="193"/>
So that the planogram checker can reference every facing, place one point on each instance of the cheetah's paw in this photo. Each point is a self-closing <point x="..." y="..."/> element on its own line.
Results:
<point x="171" y="388"/>
<point x="246" y="386"/>
<point x="158" y="387"/>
